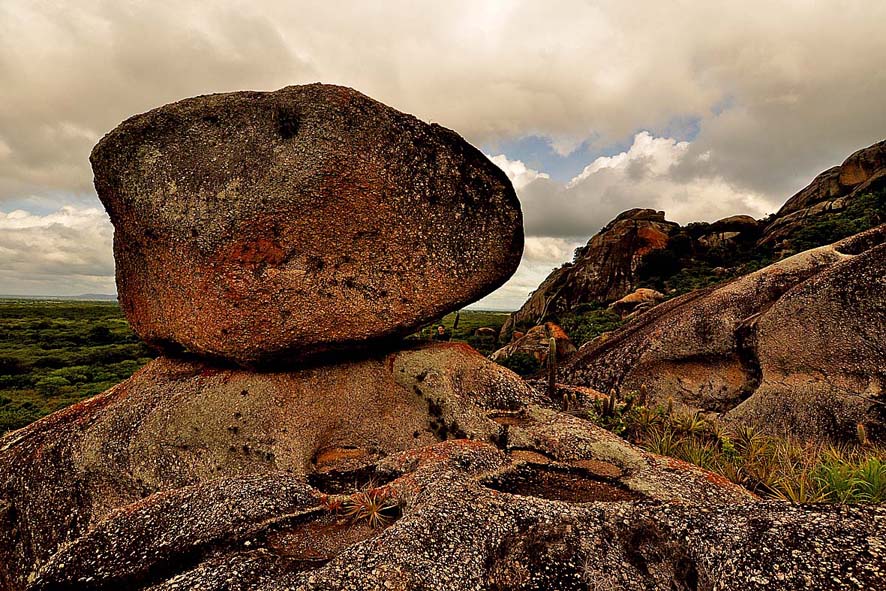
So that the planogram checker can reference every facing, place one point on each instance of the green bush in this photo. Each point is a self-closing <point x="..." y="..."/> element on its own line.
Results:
<point x="684" y="266"/>
<point x="522" y="364"/>
<point x="863" y="212"/>
<point x="583" y="326"/>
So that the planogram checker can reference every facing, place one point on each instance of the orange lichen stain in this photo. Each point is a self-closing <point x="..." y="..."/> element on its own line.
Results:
<point x="442" y="451"/>
<point x="675" y="464"/>
<point x="712" y="477"/>
<point x="652" y="239"/>
<point x="463" y="347"/>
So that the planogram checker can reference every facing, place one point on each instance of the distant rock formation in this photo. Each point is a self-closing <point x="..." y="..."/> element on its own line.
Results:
<point x="796" y="347"/>
<point x="603" y="270"/>
<point x="256" y="226"/>
<point x="723" y="232"/>
<point x="831" y="191"/>
<point x="536" y="344"/>
<point x="640" y="249"/>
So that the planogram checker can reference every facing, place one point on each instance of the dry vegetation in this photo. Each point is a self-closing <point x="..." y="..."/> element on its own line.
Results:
<point x="768" y="465"/>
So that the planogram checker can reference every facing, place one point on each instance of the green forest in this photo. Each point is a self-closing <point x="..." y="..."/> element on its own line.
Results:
<point x="57" y="352"/>
<point x="54" y="353"/>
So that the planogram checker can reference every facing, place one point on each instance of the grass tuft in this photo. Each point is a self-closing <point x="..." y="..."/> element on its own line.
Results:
<point x="772" y="467"/>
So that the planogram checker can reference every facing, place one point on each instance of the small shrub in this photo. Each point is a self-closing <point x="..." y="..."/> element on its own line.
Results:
<point x="522" y="364"/>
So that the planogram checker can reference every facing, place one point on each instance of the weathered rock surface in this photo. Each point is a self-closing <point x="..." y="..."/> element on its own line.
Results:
<point x="194" y="476"/>
<point x="636" y="301"/>
<point x="605" y="270"/>
<point x="259" y="225"/>
<point x="798" y="346"/>
<point x="724" y="232"/>
<point x="536" y="344"/>
<point x="832" y="190"/>
<point x="179" y="422"/>
<point x="471" y="517"/>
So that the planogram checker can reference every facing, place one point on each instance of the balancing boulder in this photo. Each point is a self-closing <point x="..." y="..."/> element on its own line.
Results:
<point x="255" y="226"/>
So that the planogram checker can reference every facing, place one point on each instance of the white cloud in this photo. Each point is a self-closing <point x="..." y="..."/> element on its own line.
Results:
<point x="518" y="172"/>
<point x="655" y="172"/>
<point x="657" y="155"/>
<point x="776" y="90"/>
<point x="777" y="98"/>
<point x="66" y="252"/>
<point x="651" y="173"/>
<point x="541" y="255"/>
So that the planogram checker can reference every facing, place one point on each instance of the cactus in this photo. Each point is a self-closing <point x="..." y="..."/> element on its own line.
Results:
<point x="609" y="405"/>
<point x="644" y="395"/>
<point x="629" y="403"/>
<point x="862" y="434"/>
<point x="552" y="370"/>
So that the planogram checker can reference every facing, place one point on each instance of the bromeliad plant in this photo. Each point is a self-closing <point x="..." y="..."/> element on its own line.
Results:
<point x="375" y="507"/>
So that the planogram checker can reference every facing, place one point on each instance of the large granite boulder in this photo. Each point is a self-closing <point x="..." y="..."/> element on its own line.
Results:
<point x="727" y="232"/>
<point x="638" y="300"/>
<point x="605" y="269"/>
<point x="795" y="347"/>
<point x="254" y="226"/>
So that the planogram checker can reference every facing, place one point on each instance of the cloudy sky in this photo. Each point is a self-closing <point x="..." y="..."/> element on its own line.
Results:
<point x="702" y="108"/>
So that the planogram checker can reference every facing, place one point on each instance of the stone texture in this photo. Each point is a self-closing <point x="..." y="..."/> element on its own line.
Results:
<point x="536" y="344"/>
<point x="727" y="232"/>
<point x="604" y="270"/>
<point x="180" y="422"/>
<point x="795" y="347"/>
<point x="465" y="527"/>
<point x="258" y="226"/>
<point x="195" y="476"/>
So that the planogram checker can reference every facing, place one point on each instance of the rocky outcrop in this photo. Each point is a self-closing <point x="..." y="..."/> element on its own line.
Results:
<point x="188" y="468"/>
<point x="604" y="270"/>
<point x="241" y="223"/>
<point x="581" y="508"/>
<point x="724" y="232"/>
<point x="262" y="226"/>
<point x="536" y="344"/>
<point x="831" y="191"/>
<point x="796" y="347"/>
<point x="636" y="301"/>
<point x="204" y="483"/>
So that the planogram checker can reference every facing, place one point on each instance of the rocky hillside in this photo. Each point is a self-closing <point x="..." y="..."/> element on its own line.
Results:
<point x="796" y="347"/>
<point x="641" y="249"/>
<point x="834" y="190"/>
<point x="604" y="270"/>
